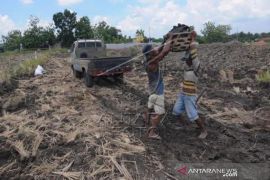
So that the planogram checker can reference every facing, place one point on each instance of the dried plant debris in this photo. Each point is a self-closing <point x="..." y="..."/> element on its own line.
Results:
<point x="70" y="175"/>
<point x="20" y="148"/>
<point x="53" y="127"/>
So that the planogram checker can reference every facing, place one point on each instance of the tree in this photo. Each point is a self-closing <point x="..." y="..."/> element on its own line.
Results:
<point x="32" y="35"/>
<point x="12" y="40"/>
<point x="65" y="24"/>
<point x="140" y="37"/>
<point x="36" y="36"/>
<point x="213" y="33"/>
<point x="246" y="37"/>
<point x="200" y="39"/>
<point x="48" y="36"/>
<point x="100" y="30"/>
<point x="108" y="33"/>
<point x="157" y="40"/>
<point x="256" y="36"/>
<point x="83" y="29"/>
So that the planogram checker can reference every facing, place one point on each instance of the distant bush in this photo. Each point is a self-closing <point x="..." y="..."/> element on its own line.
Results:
<point x="215" y="33"/>
<point x="27" y="67"/>
<point x="264" y="77"/>
<point x="4" y="76"/>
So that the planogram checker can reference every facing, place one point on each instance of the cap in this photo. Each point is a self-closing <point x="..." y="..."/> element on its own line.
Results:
<point x="146" y="49"/>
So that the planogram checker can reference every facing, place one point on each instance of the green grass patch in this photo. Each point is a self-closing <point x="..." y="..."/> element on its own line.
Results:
<point x="5" y="76"/>
<point x="27" y="67"/>
<point x="264" y="77"/>
<point x="60" y="50"/>
<point x="14" y="53"/>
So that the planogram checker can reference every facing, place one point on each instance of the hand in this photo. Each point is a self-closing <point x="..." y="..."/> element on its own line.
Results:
<point x="167" y="47"/>
<point x="181" y="85"/>
<point x="169" y="37"/>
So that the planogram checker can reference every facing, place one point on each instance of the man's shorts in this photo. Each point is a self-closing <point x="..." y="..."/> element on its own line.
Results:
<point x="188" y="104"/>
<point x="156" y="102"/>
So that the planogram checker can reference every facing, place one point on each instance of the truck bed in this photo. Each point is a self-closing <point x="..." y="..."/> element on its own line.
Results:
<point x="100" y="65"/>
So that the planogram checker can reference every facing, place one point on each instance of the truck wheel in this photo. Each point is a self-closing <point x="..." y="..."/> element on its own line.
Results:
<point x="119" y="78"/>
<point x="88" y="79"/>
<point x="76" y="74"/>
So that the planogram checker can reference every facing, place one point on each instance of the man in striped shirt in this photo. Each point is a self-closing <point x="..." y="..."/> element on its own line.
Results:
<point x="186" y="101"/>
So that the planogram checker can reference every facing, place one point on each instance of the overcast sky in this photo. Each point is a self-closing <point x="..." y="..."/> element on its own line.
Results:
<point x="154" y="16"/>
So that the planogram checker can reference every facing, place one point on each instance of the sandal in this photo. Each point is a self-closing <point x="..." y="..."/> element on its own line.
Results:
<point x="154" y="136"/>
<point x="203" y="135"/>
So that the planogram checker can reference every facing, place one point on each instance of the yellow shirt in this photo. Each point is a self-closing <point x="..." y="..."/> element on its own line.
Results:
<point x="190" y="74"/>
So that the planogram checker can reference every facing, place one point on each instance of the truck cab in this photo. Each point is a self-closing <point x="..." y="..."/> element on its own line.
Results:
<point x="88" y="49"/>
<point x="89" y="60"/>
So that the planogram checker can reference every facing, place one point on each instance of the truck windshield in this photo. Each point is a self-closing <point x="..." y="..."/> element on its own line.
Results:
<point x="98" y="44"/>
<point x="90" y="44"/>
<point x="81" y="45"/>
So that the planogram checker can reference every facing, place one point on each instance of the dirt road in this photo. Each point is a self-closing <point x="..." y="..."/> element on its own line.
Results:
<point x="54" y="127"/>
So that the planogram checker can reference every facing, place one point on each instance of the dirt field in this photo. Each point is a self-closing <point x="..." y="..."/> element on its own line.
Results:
<point x="53" y="127"/>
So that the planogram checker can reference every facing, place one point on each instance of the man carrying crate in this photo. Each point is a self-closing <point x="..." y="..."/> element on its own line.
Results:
<point x="186" y="101"/>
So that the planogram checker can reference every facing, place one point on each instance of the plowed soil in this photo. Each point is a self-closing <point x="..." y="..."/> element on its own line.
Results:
<point x="53" y="127"/>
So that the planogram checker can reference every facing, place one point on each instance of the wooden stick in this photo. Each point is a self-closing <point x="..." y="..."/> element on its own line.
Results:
<point x="171" y="176"/>
<point x="121" y="169"/>
<point x="129" y="146"/>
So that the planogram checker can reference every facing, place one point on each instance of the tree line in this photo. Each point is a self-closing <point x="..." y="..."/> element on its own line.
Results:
<point x="221" y="33"/>
<point x="34" y="37"/>
<point x="67" y="28"/>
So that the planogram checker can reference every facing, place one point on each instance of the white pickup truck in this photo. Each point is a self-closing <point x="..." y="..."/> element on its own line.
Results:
<point x="89" y="60"/>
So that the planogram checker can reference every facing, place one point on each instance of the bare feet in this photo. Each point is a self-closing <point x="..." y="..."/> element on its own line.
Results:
<point x="200" y="124"/>
<point x="179" y="123"/>
<point x="203" y="134"/>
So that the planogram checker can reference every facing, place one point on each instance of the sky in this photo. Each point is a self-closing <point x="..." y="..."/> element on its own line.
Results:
<point x="155" y="17"/>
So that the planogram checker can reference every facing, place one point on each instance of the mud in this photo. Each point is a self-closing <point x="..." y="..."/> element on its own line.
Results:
<point x="7" y="87"/>
<point x="55" y="127"/>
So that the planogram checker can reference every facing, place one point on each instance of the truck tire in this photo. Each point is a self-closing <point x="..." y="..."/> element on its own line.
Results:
<point x="76" y="74"/>
<point x="88" y="79"/>
<point x="119" y="78"/>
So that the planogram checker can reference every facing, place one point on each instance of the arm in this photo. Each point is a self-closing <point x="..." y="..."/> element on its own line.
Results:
<point x="194" y="58"/>
<point x="162" y="52"/>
